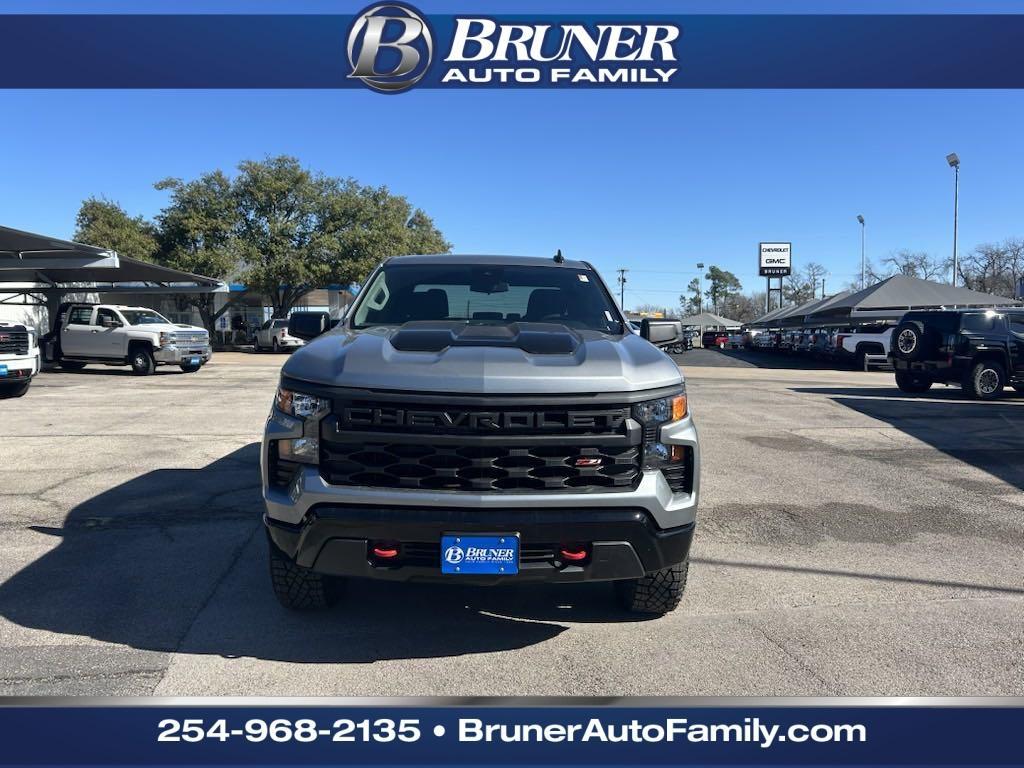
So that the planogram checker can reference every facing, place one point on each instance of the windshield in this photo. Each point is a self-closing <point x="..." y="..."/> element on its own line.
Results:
<point x="487" y="295"/>
<point x="143" y="317"/>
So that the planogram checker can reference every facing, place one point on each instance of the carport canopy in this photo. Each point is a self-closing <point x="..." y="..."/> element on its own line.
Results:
<point x="710" y="320"/>
<point x="52" y="265"/>
<point x="897" y="295"/>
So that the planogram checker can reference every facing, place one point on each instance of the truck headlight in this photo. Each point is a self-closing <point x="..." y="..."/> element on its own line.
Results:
<point x="652" y="414"/>
<point x="166" y="338"/>
<point x="300" y="404"/>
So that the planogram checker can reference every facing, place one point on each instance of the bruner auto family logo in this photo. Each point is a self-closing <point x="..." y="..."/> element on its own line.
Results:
<point x="454" y="555"/>
<point x="391" y="49"/>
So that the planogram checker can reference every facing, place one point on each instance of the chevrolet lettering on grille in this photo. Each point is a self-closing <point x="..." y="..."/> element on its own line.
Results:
<point x="481" y="421"/>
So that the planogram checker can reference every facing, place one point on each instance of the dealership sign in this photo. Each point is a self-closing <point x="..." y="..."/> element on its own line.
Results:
<point x="391" y="48"/>
<point x="775" y="259"/>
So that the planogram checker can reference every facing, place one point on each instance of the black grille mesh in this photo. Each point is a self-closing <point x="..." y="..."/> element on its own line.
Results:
<point x="13" y="342"/>
<point x="480" y="467"/>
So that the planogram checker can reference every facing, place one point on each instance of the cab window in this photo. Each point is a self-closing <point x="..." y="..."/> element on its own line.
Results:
<point x="980" y="323"/>
<point x="80" y="316"/>
<point x="106" y="314"/>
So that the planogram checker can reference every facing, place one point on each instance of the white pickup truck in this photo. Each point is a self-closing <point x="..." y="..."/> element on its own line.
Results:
<point x="19" y="358"/>
<point x="853" y="344"/>
<point x="116" y="335"/>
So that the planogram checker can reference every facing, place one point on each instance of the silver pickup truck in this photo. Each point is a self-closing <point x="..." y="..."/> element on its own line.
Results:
<point x="115" y="335"/>
<point x="481" y="420"/>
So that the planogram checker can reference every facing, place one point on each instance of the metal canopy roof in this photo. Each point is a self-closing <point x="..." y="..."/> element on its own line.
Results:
<point x="764" y="320"/>
<point x="710" y="319"/>
<point x="893" y="297"/>
<point x="51" y="264"/>
<point x="24" y="249"/>
<point x="800" y="315"/>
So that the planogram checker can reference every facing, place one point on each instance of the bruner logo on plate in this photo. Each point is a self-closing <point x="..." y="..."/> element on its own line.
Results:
<point x="390" y="47"/>
<point x="454" y="555"/>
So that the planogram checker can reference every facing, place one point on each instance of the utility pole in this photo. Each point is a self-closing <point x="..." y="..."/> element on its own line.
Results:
<point x="622" y="288"/>
<point x="954" y="162"/>
<point x="823" y="287"/>
<point x="863" y="260"/>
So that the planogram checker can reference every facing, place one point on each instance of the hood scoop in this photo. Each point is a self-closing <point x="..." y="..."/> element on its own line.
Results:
<point x="532" y="338"/>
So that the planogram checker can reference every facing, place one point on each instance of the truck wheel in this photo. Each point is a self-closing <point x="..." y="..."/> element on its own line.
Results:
<point x="14" y="390"/>
<point x="141" y="360"/>
<point x="190" y="368"/>
<point x="658" y="592"/>
<point x="985" y="381"/>
<point x="298" y="588"/>
<point x="912" y="383"/>
<point x="275" y="345"/>
<point x="72" y="365"/>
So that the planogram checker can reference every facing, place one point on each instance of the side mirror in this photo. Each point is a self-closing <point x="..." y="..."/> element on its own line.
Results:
<point x="109" y="322"/>
<point x="308" y="325"/>
<point x="661" y="332"/>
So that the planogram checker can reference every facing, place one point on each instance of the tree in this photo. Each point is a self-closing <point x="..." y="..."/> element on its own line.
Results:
<point x="721" y="284"/>
<point x="689" y="302"/>
<point x="198" y="233"/>
<point x="106" y="224"/>
<point x="916" y="264"/>
<point x="994" y="268"/>
<point x="300" y="230"/>
<point x="801" y="287"/>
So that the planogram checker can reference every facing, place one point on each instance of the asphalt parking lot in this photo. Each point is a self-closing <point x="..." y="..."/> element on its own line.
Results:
<point x="852" y="541"/>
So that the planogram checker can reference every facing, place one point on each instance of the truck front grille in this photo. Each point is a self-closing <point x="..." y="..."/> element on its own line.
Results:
<point x="466" y="447"/>
<point x="13" y="342"/>
<point x="481" y="467"/>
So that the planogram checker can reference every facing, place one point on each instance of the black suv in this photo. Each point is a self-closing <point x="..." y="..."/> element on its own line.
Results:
<point x="981" y="350"/>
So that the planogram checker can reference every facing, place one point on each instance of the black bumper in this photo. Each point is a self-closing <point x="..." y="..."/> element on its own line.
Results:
<point x="622" y="543"/>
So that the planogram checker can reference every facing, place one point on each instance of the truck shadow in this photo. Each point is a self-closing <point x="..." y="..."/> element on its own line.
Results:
<point x="986" y="435"/>
<point x="175" y="561"/>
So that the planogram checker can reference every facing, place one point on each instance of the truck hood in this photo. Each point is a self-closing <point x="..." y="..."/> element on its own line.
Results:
<point x="439" y="357"/>
<point x="168" y="328"/>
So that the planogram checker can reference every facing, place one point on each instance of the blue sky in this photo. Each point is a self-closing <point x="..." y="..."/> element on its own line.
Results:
<point x="653" y="181"/>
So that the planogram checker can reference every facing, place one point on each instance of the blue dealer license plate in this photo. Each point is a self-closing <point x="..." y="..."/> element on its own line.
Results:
<point x="473" y="554"/>
<point x="3" y="370"/>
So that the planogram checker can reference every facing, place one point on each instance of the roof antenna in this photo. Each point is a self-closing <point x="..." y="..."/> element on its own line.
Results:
<point x="559" y="258"/>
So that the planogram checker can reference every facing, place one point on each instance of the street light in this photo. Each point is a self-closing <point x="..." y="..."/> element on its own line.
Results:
<point x="954" y="163"/>
<point x="863" y="261"/>
<point x="700" y="298"/>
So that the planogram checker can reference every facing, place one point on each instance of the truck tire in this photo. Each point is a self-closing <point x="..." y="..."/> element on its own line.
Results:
<point x="912" y="383"/>
<point x="985" y="380"/>
<point x="275" y="346"/>
<point x="298" y="588"/>
<point x="14" y="390"/>
<point x="72" y="365"/>
<point x="1019" y="388"/>
<point x="658" y="593"/>
<point x="190" y="368"/>
<point x="141" y="361"/>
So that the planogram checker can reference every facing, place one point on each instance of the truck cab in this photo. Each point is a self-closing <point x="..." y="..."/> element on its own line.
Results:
<point x="111" y="334"/>
<point x="19" y="358"/>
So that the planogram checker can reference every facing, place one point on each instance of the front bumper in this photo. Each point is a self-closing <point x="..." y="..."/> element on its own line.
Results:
<point x="622" y="543"/>
<point x="177" y="353"/>
<point x="19" y="367"/>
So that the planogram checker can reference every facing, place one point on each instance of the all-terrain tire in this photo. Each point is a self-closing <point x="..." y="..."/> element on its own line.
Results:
<point x="141" y="361"/>
<point x="912" y="383"/>
<point x="984" y="381"/>
<point x="14" y="390"/>
<point x="658" y="592"/>
<point x="298" y="588"/>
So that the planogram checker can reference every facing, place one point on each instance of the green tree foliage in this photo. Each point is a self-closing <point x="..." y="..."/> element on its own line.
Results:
<point x="301" y="230"/>
<point x="721" y="285"/>
<point x="106" y="224"/>
<point x="689" y="302"/>
<point x="198" y="233"/>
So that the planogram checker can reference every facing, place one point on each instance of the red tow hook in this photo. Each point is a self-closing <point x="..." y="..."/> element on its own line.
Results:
<point x="573" y="554"/>
<point x="384" y="551"/>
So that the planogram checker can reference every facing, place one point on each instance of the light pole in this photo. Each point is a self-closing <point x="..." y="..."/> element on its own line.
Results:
<point x="954" y="163"/>
<point x="700" y="298"/>
<point x="863" y="260"/>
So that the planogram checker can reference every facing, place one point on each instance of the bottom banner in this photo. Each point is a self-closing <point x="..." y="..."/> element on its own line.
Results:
<point x="179" y="732"/>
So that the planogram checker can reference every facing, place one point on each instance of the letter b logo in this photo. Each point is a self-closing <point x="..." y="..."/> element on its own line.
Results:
<point x="390" y="47"/>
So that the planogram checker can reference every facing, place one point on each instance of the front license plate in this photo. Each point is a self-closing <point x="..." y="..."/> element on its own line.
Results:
<point x="193" y="361"/>
<point x="3" y="370"/>
<point x="473" y="554"/>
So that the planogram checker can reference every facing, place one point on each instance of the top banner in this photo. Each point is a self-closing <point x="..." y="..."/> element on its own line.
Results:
<point x="394" y="48"/>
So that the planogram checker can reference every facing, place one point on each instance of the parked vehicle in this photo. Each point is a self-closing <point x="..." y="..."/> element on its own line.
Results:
<point x="19" y="358"/>
<point x="712" y="339"/>
<point x="736" y="340"/>
<point x="765" y="341"/>
<point x="481" y="420"/>
<point x="852" y="345"/>
<point x="982" y="351"/>
<point x="273" y="335"/>
<point x="116" y="335"/>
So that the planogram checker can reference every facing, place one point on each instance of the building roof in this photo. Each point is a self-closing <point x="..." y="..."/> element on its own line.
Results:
<point x="709" y="319"/>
